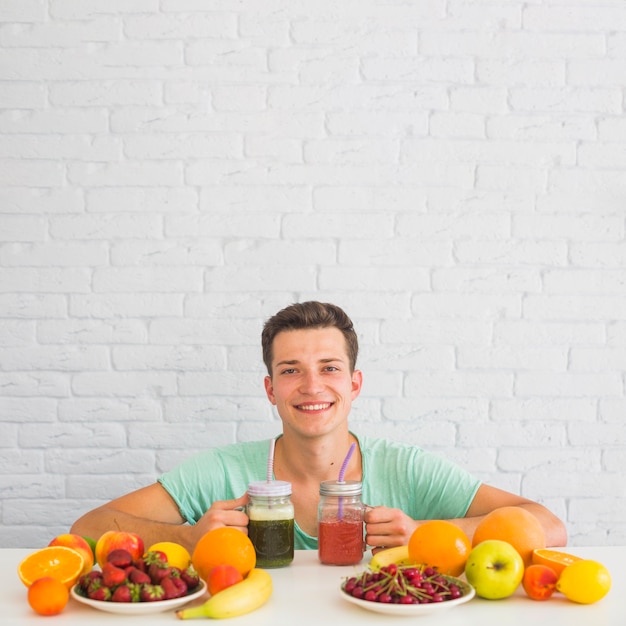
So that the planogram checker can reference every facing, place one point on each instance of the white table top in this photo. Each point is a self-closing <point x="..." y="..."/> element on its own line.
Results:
<point x="309" y="592"/>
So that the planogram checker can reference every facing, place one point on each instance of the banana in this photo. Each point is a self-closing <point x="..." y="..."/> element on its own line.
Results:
<point x="243" y="597"/>
<point x="398" y="555"/>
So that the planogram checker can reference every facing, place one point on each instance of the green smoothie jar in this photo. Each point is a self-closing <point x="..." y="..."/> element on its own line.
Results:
<point x="271" y="520"/>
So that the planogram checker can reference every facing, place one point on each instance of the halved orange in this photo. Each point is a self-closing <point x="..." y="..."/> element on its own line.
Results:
<point x="555" y="559"/>
<point x="60" y="562"/>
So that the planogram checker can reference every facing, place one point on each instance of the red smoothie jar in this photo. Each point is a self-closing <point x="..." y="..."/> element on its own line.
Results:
<point x="340" y="533"/>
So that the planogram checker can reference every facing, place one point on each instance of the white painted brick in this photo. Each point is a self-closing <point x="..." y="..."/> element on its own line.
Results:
<point x="616" y="334"/>
<point x="57" y="358"/>
<point x="86" y="9"/>
<point x="458" y="125"/>
<point x="34" y="200"/>
<point x="574" y="307"/>
<point x="21" y="228"/>
<point x="66" y="121"/>
<point x="543" y="332"/>
<point x="466" y="305"/>
<point x="106" y="93"/>
<point x="239" y="98"/>
<point x="25" y="384"/>
<point x="244" y="253"/>
<point x="61" y="34"/>
<point x="13" y="485"/>
<point x="506" y="177"/>
<point x="32" y="305"/>
<point x="213" y="225"/>
<point x="600" y="281"/>
<point x="197" y="331"/>
<point x="351" y="151"/>
<point x="32" y="172"/>
<point x="576" y="384"/>
<point x="22" y="409"/>
<point x="337" y="225"/>
<point x="448" y="226"/>
<point x="16" y="333"/>
<point x="153" y="199"/>
<point x="524" y="71"/>
<point x="87" y="489"/>
<point x="36" y="435"/>
<point x="541" y="127"/>
<point x="579" y="18"/>
<point x="127" y="304"/>
<point x="152" y="280"/>
<point x="405" y="250"/>
<point x="569" y="100"/>
<point x="44" y="280"/>
<point x="513" y="253"/>
<point x="22" y="462"/>
<point x="436" y="331"/>
<point x="53" y="254"/>
<point x="119" y="410"/>
<point x="512" y="358"/>
<point x="194" y="146"/>
<point x="22" y="11"/>
<point x="124" y="384"/>
<point x="167" y="358"/>
<point x="458" y="384"/>
<point x="186" y="26"/>
<point x="23" y="94"/>
<point x="543" y="409"/>
<point x="106" y="226"/>
<point x="132" y="173"/>
<point x="586" y="226"/>
<point x="504" y="280"/>
<point x="366" y="123"/>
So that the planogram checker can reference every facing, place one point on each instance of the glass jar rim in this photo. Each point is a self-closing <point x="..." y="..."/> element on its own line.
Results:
<point x="268" y="489"/>
<point x="343" y="488"/>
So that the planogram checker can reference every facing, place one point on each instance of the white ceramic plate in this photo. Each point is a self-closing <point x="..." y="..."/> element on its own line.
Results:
<point x="414" y="610"/>
<point x="139" y="608"/>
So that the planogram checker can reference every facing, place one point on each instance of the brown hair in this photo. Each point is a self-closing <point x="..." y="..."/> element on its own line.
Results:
<point x="304" y="315"/>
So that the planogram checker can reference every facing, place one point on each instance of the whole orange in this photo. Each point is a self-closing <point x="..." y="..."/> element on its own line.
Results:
<point x="48" y="596"/>
<point x="515" y="526"/>
<point x="440" y="544"/>
<point x="223" y="546"/>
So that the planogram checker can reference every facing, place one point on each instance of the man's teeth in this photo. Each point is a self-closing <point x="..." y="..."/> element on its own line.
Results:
<point x="314" y="407"/>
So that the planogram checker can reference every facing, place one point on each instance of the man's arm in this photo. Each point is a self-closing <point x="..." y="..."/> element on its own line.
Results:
<point x="392" y="527"/>
<point x="153" y="515"/>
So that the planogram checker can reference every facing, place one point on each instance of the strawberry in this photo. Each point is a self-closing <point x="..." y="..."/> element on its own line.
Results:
<point x="135" y="575"/>
<point x="112" y="575"/>
<point x="158" y="571"/>
<point x="86" y="579"/>
<point x="97" y="591"/>
<point x="173" y="587"/>
<point x="151" y="593"/>
<point x="120" y="558"/>
<point x="121" y="594"/>
<point x="191" y="577"/>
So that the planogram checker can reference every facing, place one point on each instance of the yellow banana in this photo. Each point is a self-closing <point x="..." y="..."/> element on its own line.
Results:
<point x="398" y="555"/>
<point x="243" y="597"/>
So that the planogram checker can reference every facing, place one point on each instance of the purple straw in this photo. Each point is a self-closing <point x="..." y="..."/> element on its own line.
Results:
<point x="270" y="461"/>
<point x="344" y="465"/>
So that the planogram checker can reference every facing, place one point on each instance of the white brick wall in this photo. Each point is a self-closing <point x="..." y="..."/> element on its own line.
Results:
<point x="172" y="172"/>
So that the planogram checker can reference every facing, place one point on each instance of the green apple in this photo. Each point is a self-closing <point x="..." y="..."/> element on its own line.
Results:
<point x="495" y="569"/>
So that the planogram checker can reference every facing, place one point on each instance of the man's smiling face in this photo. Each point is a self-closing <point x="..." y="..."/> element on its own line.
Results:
<point x="311" y="383"/>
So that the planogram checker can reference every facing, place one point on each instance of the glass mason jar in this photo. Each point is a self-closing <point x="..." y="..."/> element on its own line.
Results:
<point x="270" y="525"/>
<point x="340" y="533"/>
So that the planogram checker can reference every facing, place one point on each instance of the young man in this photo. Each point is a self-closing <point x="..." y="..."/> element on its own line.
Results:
<point x="310" y="351"/>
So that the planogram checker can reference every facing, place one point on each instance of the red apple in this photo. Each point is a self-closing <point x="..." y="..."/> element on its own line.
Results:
<point x="78" y="543"/>
<point x="118" y="539"/>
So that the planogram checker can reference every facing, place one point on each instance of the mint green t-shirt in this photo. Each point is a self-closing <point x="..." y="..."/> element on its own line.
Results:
<point x="396" y="475"/>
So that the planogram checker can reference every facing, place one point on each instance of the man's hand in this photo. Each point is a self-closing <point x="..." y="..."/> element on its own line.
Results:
<point x="386" y="528"/>
<point x="223" y="513"/>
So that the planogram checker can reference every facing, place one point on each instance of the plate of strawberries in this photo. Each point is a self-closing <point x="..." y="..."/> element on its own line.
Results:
<point x="140" y="586"/>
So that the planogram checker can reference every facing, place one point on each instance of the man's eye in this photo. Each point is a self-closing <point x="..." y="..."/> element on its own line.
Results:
<point x="331" y="368"/>
<point x="290" y="370"/>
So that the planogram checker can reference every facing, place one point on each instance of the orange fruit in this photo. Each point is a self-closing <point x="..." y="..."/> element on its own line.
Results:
<point x="440" y="544"/>
<point x="78" y="543"/>
<point x="555" y="559"/>
<point x="60" y="562"/>
<point x="515" y="526"/>
<point x="223" y="546"/>
<point x="48" y="596"/>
